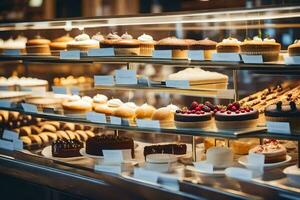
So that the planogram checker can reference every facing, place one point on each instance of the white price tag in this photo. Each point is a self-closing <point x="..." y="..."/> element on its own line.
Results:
<point x="101" y="52"/>
<point x="29" y="108"/>
<point x="182" y="84"/>
<point x="279" y="127"/>
<point x="37" y="90"/>
<point x="5" y="104"/>
<point x="6" y="144"/>
<point x="196" y="55"/>
<point x="116" y="156"/>
<point x="292" y="60"/>
<point x="96" y="117"/>
<point x="165" y="54"/>
<point x="104" y="80"/>
<point x="11" y="52"/>
<point x="116" y="169"/>
<point x="70" y="55"/>
<point x="252" y="59"/>
<point x="203" y="166"/>
<point x="144" y="123"/>
<point x="228" y="57"/>
<point x="126" y="77"/>
<point x="256" y="159"/>
<point x="115" y="120"/>
<point x="75" y="90"/>
<point x="146" y="175"/>
<point x="239" y="173"/>
<point x="10" y="135"/>
<point x="59" y="90"/>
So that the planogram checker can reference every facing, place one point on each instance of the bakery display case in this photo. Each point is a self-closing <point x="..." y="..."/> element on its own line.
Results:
<point x="209" y="114"/>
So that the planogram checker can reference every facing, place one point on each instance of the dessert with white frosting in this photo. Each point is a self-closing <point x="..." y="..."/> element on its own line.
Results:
<point x="109" y="107"/>
<point x="161" y="162"/>
<point x="229" y="45"/>
<point x="219" y="157"/>
<point x="127" y="46"/>
<point x="145" y="111"/>
<point x="14" y="44"/>
<point x="23" y="83"/>
<point x="77" y="105"/>
<point x="110" y="40"/>
<point x="99" y="99"/>
<point x="146" y="45"/>
<point x="83" y="43"/>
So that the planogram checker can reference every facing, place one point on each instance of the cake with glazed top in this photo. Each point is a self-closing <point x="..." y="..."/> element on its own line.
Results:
<point x="65" y="148"/>
<point x="179" y="47"/>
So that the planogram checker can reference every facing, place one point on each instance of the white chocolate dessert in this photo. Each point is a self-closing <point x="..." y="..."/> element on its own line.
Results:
<point x="219" y="157"/>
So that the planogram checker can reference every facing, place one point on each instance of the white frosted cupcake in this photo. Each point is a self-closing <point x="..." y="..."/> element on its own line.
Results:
<point x="146" y="45"/>
<point x="83" y="43"/>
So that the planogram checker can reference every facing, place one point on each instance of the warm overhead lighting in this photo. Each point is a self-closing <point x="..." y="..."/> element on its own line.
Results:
<point x="35" y="3"/>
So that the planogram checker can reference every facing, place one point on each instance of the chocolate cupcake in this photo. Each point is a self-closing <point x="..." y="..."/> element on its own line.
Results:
<point x="179" y="47"/>
<point x="127" y="46"/>
<point x="206" y="45"/>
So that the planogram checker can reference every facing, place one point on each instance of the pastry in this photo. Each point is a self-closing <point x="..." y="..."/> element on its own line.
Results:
<point x="99" y="99"/>
<point x="90" y="133"/>
<point x="285" y="112"/>
<point x="48" y="128"/>
<point x="127" y="46"/>
<point x="25" y="131"/>
<point x="60" y="44"/>
<point x="176" y="149"/>
<point x="95" y="145"/>
<point x="219" y="157"/>
<point x="229" y="45"/>
<point x="110" y="107"/>
<point x="64" y="148"/>
<point x="44" y="137"/>
<point x="77" y="105"/>
<point x="51" y="136"/>
<point x="242" y="146"/>
<point x="146" y="45"/>
<point x="125" y="112"/>
<point x="161" y="162"/>
<point x="62" y="135"/>
<point x="83" y="43"/>
<point x="44" y="102"/>
<point x="268" y="48"/>
<point x="83" y="135"/>
<point x="26" y="140"/>
<point x="207" y="46"/>
<point x="110" y="40"/>
<point x="70" y="134"/>
<point x="98" y="37"/>
<point x="35" y="130"/>
<point x="38" y="46"/>
<point x="294" y="49"/>
<point x="14" y="44"/>
<point x="273" y="151"/>
<point x="69" y="126"/>
<point x="165" y="116"/>
<point x="179" y="47"/>
<point x="144" y="112"/>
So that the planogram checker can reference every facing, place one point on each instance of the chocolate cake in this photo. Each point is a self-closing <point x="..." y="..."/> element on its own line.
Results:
<point x="177" y="149"/>
<point x="66" y="148"/>
<point x="95" y="145"/>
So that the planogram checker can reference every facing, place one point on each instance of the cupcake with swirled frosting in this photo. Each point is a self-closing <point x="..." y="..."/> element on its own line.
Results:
<point x="82" y="42"/>
<point x="127" y="46"/>
<point x="229" y="45"/>
<point x="110" y="40"/>
<point x="146" y="45"/>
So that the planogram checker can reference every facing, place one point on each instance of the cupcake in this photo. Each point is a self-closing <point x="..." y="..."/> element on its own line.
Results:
<point x="38" y="46"/>
<point x="127" y="46"/>
<point x="229" y="45"/>
<point x="206" y="45"/>
<point x="98" y="37"/>
<point x="146" y="45"/>
<point x="99" y="99"/>
<point x="109" y="107"/>
<point x="77" y="105"/>
<point x="294" y="49"/>
<point x="165" y="116"/>
<point x="179" y="47"/>
<point x="60" y="44"/>
<point x="83" y="43"/>
<point x="144" y="112"/>
<point x="18" y="44"/>
<point x="268" y="48"/>
<point x="109" y="40"/>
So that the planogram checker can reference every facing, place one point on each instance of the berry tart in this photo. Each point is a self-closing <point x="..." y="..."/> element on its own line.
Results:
<point x="196" y="116"/>
<point x="235" y="117"/>
<point x="65" y="148"/>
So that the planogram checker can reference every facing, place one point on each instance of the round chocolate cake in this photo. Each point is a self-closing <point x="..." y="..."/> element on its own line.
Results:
<point x="65" y="148"/>
<point x="95" y="145"/>
<point x="177" y="149"/>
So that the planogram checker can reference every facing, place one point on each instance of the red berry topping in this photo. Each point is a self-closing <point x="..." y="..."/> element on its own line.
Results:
<point x="233" y="109"/>
<point x="198" y="108"/>
<point x="183" y="112"/>
<point x="222" y="111"/>
<point x="237" y="112"/>
<point x="215" y="110"/>
<point x="236" y="104"/>
<point x="194" y="105"/>
<point x="202" y="112"/>
<point x="228" y="112"/>
<point x="198" y="112"/>
<point x="229" y="106"/>
<point x="242" y="111"/>
<point x="247" y="110"/>
<point x="189" y="112"/>
<point x="193" y="111"/>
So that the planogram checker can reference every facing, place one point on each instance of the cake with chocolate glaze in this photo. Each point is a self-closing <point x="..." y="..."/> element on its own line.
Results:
<point x="65" y="148"/>
<point x="95" y="145"/>
<point x="234" y="117"/>
<point x="176" y="149"/>
<point x="179" y="47"/>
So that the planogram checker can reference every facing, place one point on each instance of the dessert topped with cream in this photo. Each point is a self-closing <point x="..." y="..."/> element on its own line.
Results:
<point x="126" y="36"/>
<point x="114" y="103"/>
<point x="100" y="98"/>
<point x="98" y="37"/>
<point x="83" y="39"/>
<point x="145" y="38"/>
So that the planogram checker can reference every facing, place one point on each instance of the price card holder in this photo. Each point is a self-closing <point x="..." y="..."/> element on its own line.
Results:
<point x="204" y="166"/>
<point x="6" y="144"/>
<point x="75" y="90"/>
<point x="279" y="127"/>
<point x="227" y="57"/>
<point x="49" y="110"/>
<point x="96" y="117"/>
<point x="116" y="156"/>
<point x="5" y="104"/>
<point x="70" y="55"/>
<point x="10" y="135"/>
<point x="182" y="84"/>
<point x="146" y="175"/>
<point x="115" y="120"/>
<point x="11" y="52"/>
<point x="18" y="144"/>
<point x="256" y="162"/>
<point x="162" y="54"/>
<point x="59" y="90"/>
<point x="168" y="181"/>
<point x="292" y="60"/>
<point x="196" y="55"/>
<point x="29" y="108"/>
<point x="144" y="123"/>
<point x="101" y="52"/>
<point x="104" y="80"/>
<point x="239" y="173"/>
<point x="116" y="169"/>
<point x="126" y="77"/>
<point x="253" y="59"/>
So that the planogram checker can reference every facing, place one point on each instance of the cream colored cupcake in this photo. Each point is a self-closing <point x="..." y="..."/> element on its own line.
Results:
<point x="146" y="45"/>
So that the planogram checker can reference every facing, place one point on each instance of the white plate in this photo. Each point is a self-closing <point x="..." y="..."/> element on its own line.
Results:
<point x="217" y="173"/>
<point x="83" y="152"/>
<point x="293" y="174"/>
<point x="244" y="161"/>
<point x="47" y="152"/>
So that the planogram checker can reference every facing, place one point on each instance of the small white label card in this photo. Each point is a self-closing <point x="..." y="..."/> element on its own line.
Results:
<point x="239" y="173"/>
<point x="146" y="175"/>
<point x="252" y="59"/>
<point x="70" y="55"/>
<point x="10" y="135"/>
<point x="126" y="77"/>
<point x="116" y="169"/>
<point x="292" y="60"/>
<point x="182" y="84"/>
<point x="59" y="90"/>
<point x="145" y="123"/>
<point x="115" y="120"/>
<point x="96" y="117"/>
<point x="196" y="55"/>
<point x="104" y="80"/>
<point x="228" y="57"/>
<point x="11" y="52"/>
<point x="38" y="90"/>
<point x="203" y="166"/>
<point x="75" y="90"/>
<point x="279" y="127"/>
<point x="6" y="144"/>
<point x="256" y="162"/>
<point x="29" y="107"/>
<point x="165" y="54"/>
<point x="18" y="144"/>
<point x="101" y="52"/>
<point x="116" y="156"/>
<point x="5" y="104"/>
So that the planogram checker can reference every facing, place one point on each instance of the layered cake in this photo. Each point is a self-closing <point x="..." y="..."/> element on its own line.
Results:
<point x="64" y="148"/>
<point x="161" y="162"/>
<point x="294" y="49"/>
<point x="176" y="149"/>
<point x="234" y="117"/>
<point x="95" y="145"/>
<point x="273" y="151"/>
<point x="219" y="157"/>
<point x="127" y="46"/>
<point x="229" y="45"/>
<point x="285" y="112"/>
<point x="38" y="46"/>
<point x="207" y="46"/>
<point x="179" y="47"/>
